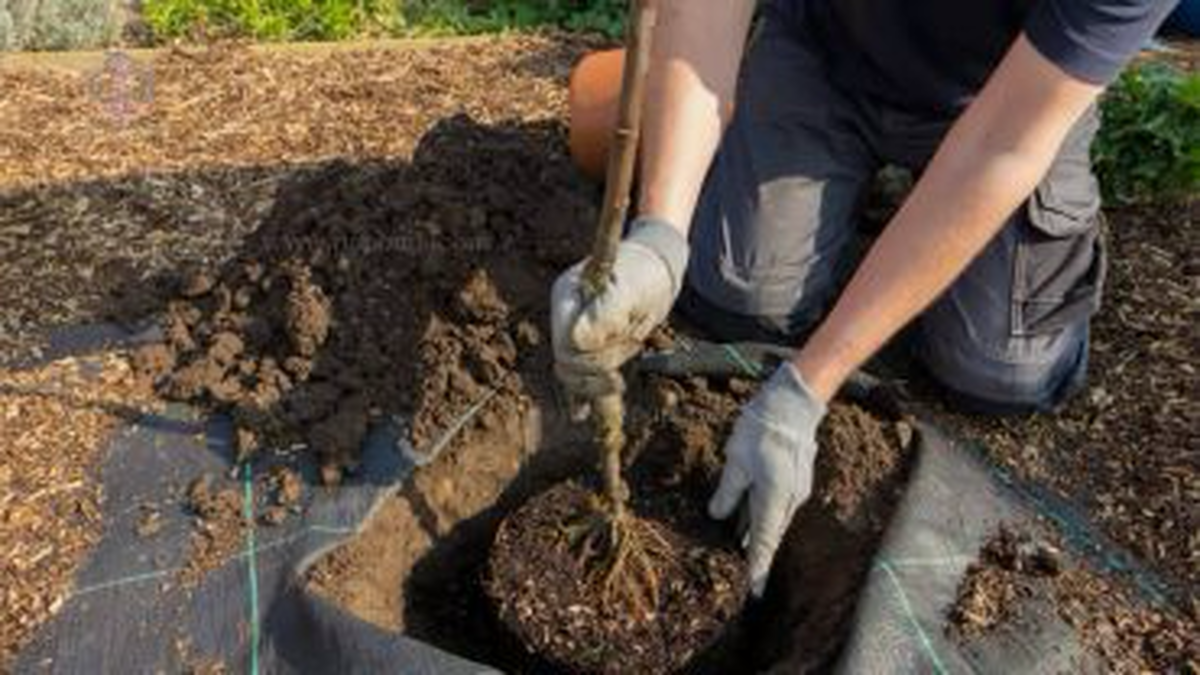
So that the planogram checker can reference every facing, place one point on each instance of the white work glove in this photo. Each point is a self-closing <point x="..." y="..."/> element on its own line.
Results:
<point x="593" y="340"/>
<point x="770" y="453"/>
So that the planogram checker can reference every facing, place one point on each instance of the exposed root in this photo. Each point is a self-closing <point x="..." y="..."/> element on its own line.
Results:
<point x="623" y="554"/>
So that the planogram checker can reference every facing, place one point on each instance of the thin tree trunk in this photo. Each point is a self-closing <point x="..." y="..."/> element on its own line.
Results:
<point x="608" y="411"/>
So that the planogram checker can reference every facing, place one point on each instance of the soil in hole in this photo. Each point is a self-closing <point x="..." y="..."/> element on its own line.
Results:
<point x="426" y="553"/>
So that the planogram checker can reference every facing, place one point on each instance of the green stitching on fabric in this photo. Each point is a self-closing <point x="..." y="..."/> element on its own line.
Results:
<point x="940" y="561"/>
<point x="752" y="369"/>
<point x="158" y="574"/>
<point x="251" y="564"/>
<point x="926" y="643"/>
<point x="124" y="581"/>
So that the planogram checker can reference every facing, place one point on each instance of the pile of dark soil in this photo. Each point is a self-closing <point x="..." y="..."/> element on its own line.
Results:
<point x="94" y="208"/>
<point x="1017" y="571"/>
<point x="380" y="291"/>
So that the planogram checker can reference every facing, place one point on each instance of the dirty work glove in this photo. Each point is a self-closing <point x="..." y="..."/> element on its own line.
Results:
<point x="593" y="340"/>
<point x="770" y="454"/>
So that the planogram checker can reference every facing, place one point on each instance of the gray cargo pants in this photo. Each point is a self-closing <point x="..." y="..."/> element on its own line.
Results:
<point x="773" y="236"/>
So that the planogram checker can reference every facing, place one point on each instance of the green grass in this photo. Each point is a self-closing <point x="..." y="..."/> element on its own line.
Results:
<point x="1148" y="148"/>
<point x="276" y="20"/>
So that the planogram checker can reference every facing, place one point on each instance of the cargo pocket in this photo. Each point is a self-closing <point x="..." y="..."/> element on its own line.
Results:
<point x="1060" y="259"/>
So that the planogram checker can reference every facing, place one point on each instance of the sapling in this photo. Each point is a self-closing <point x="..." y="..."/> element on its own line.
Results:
<point x="620" y="547"/>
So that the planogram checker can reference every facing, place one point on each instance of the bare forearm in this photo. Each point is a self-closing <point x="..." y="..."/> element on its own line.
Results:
<point x="988" y="164"/>
<point x="693" y="75"/>
<point x="944" y="224"/>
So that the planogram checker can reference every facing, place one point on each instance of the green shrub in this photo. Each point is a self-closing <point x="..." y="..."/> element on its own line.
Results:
<point x="58" y="24"/>
<point x="340" y="19"/>
<point x="1148" y="147"/>
<point x="465" y="17"/>
<point x="271" y="19"/>
<point x="601" y="16"/>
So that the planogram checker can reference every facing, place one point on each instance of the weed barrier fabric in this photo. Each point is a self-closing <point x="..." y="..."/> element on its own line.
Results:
<point x="952" y="504"/>
<point x="129" y="611"/>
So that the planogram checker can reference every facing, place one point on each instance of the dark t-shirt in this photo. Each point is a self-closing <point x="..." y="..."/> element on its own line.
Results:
<point x="934" y="55"/>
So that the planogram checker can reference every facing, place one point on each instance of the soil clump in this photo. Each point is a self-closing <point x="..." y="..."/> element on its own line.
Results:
<point x="219" y="531"/>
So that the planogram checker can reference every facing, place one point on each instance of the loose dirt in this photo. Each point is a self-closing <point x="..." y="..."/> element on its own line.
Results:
<point x="826" y="555"/>
<point x="1018" y="569"/>
<point x="989" y="592"/>
<point x="378" y="291"/>
<point x="219" y="527"/>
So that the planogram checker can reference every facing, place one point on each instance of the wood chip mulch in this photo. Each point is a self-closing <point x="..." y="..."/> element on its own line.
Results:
<point x="53" y="424"/>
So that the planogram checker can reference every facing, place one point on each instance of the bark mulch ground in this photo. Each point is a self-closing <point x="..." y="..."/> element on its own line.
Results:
<point x="53" y="422"/>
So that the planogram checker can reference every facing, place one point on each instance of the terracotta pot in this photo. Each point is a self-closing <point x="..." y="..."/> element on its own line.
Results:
<point x="595" y="90"/>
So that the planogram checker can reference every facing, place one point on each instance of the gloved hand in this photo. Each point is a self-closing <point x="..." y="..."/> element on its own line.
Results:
<point x="592" y="340"/>
<point x="770" y="453"/>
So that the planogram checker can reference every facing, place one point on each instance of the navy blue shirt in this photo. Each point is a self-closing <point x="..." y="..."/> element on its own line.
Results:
<point x="934" y="55"/>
